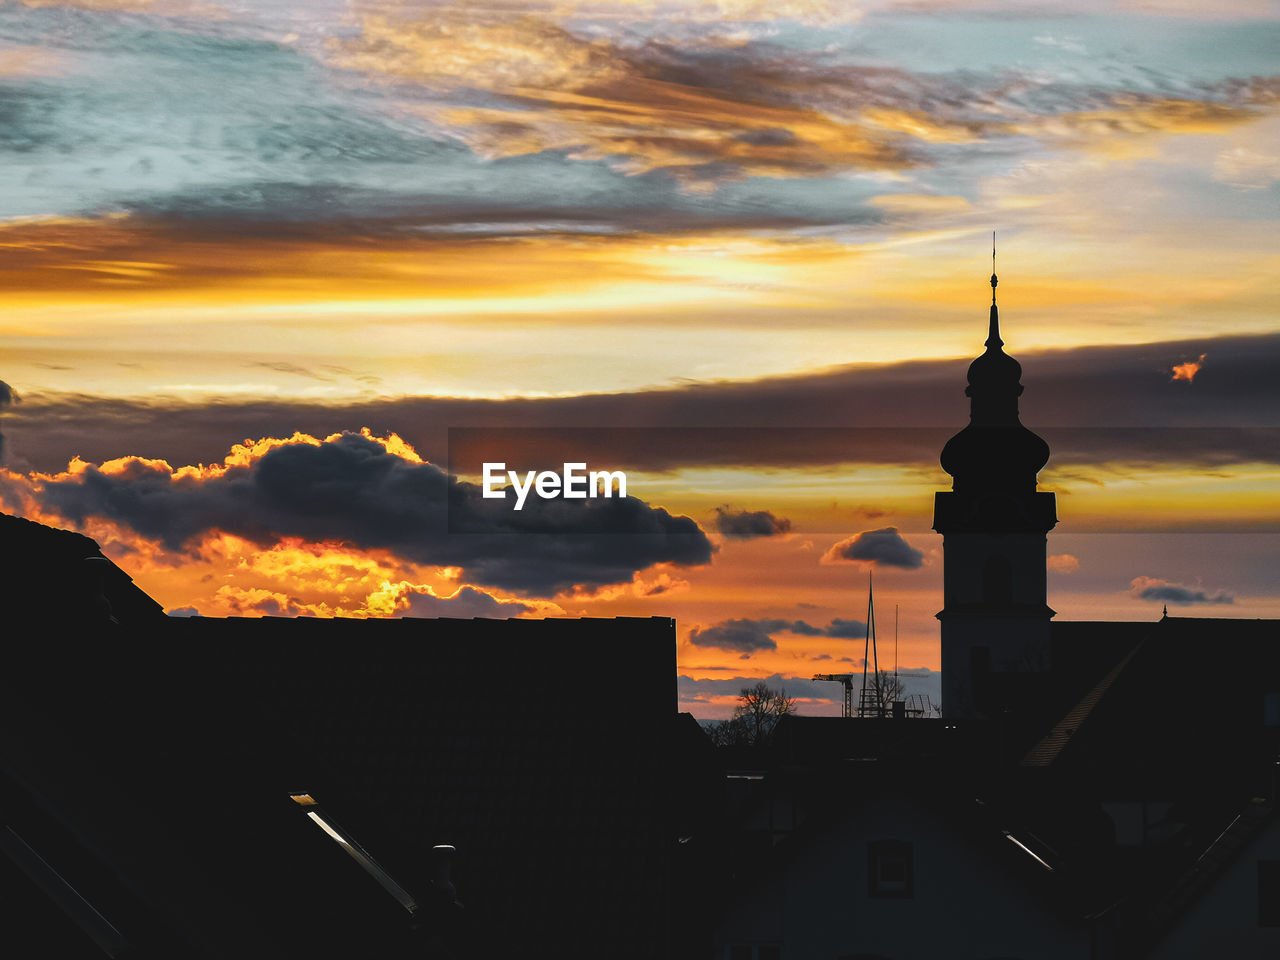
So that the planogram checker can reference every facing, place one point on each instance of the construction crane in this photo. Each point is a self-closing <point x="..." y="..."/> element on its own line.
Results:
<point x="847" y="680"/>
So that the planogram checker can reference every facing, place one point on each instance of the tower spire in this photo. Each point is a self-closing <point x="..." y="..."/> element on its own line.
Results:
<point x="993" y="267"/>
<point x="995" y="451"/>
<point x="993" y="334"/>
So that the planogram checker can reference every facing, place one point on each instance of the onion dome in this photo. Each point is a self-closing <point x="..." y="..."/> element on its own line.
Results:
<point x="995" y="452"/>
<point x="995" y="373"/>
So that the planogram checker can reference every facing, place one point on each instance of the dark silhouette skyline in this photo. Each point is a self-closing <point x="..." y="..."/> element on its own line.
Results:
<point x="291" y="786"/>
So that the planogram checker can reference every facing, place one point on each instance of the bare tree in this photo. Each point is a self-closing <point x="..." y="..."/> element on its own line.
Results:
<point x="890" y="689"/>
<point x="758" y="710"/>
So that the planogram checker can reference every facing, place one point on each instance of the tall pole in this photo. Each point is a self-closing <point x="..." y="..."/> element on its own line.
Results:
<point x="875" y="656"/>
<point x="870" y="657"/>
<point x="866" y="652"/>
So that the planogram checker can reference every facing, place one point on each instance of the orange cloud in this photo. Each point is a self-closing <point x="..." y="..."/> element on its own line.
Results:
<point x="1187" y="371"/>
<point x="1063" y="563"/>
<point x="919" y="203"/>
<point x="240" y="455"/>
<point x="1127" y="129"/>
<point x="29" y="61"/>
<point x="657" y="581"/>
<point x="227" y="575"/>
<point x="597" y="101"/>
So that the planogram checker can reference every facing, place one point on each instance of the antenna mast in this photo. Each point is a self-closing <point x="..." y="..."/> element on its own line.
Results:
<point x="895" y="641"/>
<point x="870" y="703"/>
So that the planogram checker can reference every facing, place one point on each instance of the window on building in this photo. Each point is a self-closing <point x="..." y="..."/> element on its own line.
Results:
<point x="1271" y="709"/>
<point x="1269" y="893"/>
<point x="755" y="951"/>
<point x="890" y="869"/>
<point x="997" y="580"/>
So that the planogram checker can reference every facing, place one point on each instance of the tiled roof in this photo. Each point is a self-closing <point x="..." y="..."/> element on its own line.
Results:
<point x="44" y="569"/>
<point x="157" y="769"/>
<point x="533" y="746"/>
<point x="1165" y="717"/>
<point x="1044" y="752"/>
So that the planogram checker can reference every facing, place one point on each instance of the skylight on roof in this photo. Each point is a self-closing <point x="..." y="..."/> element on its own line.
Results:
<point x="1022" y="846"/>
<point x="356" y="852"/>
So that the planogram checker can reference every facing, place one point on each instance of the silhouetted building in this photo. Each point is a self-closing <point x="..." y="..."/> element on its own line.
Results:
<point x="197" y="787"/>
<point x="281" y="788"/>
<point x="47" y="574"/>
<point x="995" y="618"/>
<point x="1088" y="793"/>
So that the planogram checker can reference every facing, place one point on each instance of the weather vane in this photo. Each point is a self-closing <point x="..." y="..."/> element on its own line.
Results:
<point x="993" y="266"/>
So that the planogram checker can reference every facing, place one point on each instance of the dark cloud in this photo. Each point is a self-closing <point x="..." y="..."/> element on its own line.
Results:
<point x="1156" y="590"/>
<point x="770" y="137"/>
<point x="847" y="629"/>
<point x="798" y="626"/>
<point x="748" y="524"/>
<point x="7" y="398"/>
<point x="467" y="602"/>
<point x="884" y="547"/>
<point x="745" y="635"/>
<point x="916" y="681"/>
<point x="267" y="606"/>
<point x="184" y="612"/>
<point x="1099" y="407"/>
<point x="1095" y="405"/>
<point x="352" y="490"/>
<point x="690" y="689"/>
<point x="752" y="635"/>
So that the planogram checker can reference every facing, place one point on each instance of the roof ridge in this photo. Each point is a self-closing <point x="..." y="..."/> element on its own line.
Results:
<point x="1051" y="744"/>
<point x="1188" y="885"/>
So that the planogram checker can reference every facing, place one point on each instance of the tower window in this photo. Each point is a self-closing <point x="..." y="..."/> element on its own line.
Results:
<point x="1269" y="893"/>
<point x="997" y="581"/>
<point x="890" y="869"/>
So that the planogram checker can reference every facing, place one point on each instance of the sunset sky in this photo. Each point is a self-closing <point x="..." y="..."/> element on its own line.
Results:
<point x="266" y="265"/>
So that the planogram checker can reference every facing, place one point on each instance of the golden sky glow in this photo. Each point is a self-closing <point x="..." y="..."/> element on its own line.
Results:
<point x="220" y="226"/>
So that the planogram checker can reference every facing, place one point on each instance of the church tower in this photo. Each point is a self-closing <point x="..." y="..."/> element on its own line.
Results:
<point x="994" y="526"/>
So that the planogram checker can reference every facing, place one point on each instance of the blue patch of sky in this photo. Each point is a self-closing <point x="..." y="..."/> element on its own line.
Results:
<point x="171" y="122"/>
<point x="1132" y="52"/>
<point x="1191" y="194"/>
<point x="218" y="122"/>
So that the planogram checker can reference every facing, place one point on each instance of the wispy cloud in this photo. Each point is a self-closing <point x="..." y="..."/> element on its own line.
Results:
<point x="1156" y="590"/>
<point x="638" y="107"/>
